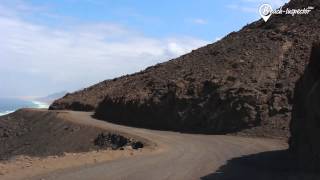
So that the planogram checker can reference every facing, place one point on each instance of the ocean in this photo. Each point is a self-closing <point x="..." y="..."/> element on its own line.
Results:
<point x="9" y="105"/>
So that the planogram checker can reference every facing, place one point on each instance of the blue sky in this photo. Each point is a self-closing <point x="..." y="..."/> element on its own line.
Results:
<point x="50" y="46"/>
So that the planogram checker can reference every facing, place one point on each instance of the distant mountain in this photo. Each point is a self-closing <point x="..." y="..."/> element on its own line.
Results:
<point x="52" y="97"/>
<point x="244" y="82"/>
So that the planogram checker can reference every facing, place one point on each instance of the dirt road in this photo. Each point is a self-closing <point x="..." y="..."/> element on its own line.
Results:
<point x="176" y="156"/>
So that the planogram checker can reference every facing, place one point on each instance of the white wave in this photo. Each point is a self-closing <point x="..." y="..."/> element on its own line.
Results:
<point x="40" y="105"/>
<point x="5" y="113"/>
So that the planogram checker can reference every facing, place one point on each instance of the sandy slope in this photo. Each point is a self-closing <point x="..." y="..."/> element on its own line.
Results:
<point x="180" y="156"/>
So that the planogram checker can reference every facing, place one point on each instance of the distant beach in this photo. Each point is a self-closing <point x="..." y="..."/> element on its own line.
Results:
<point x="9" y="105"/>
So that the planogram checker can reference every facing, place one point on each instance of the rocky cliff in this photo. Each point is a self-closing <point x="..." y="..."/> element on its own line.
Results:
<point x="305" y="125"/>
<point x="243" y="82"/>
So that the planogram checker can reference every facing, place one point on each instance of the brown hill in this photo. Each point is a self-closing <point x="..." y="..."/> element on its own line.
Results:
<point x="38" y="133"/>
<point x="243" y="82"/>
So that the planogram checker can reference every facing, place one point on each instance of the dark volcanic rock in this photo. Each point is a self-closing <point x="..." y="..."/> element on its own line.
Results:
<point x="137" y="145"/>
<point x="116" y="141"/>
<point x="244" y="81"/>
<point x="305" y="124"/>
<point x="75" y="105"/>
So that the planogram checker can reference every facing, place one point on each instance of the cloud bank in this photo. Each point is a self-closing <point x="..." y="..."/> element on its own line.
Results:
<point x="37" y="59"/>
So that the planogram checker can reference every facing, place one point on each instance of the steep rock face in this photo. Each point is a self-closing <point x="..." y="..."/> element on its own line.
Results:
<point x="244" y="81"/>
<point x="305" y="125"/>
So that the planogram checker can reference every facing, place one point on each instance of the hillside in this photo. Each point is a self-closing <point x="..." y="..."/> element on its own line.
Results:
<point x="243" y="82"/>
<point x="39" y="133"/>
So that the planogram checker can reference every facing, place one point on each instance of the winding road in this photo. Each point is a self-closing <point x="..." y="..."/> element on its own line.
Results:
<point x="176" y="156"/>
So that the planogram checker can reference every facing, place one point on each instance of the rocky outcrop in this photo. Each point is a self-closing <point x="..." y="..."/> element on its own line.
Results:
<point x="74" y="105"/>
<point x="244" y="81"/>
<point x="116" y="141"/>
<point x="305" y="125"/>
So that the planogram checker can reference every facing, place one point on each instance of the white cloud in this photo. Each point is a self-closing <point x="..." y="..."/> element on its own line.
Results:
<point x="198" y="21"/>
<point x="40" y="59"/>
<point x="217" y="39"/>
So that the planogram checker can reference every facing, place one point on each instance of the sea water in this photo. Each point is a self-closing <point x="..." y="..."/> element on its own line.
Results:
<point x="9" y="105"/>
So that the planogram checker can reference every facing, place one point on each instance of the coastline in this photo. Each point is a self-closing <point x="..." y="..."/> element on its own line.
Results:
<point x="5" y="113"/>
<point x="33" y="104"/>
<point x="41" y="105"/>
